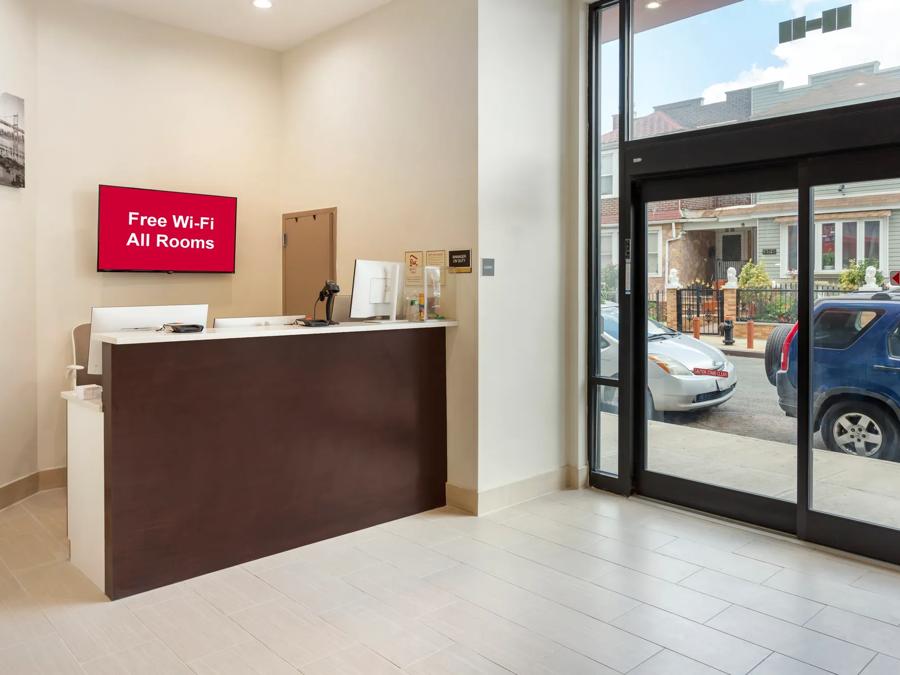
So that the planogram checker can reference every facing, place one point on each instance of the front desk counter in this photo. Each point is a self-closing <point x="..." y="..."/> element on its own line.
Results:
<point x="217" y="448"/>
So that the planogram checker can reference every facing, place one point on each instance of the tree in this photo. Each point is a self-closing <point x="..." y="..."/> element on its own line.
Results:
<point x="754" y="276"/>
<point x="854" y="277"/>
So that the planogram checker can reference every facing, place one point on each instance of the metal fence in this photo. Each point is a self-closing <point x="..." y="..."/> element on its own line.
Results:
<point x="776" y="305"/>
<point x="656" y="306"/>
<point x="706" y="303"/>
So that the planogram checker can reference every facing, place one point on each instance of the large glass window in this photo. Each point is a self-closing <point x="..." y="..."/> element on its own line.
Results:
<point x="751" y="59"/>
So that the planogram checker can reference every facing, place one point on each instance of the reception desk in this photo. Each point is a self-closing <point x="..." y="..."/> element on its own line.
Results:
<point x="217" y="448"/>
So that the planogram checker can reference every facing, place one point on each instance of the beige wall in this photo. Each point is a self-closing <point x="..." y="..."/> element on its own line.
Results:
<point x="18" y="425"/>
<point x="525" y="221"/>
<point x="129" y="102"/>
<point x="380" y="119"/>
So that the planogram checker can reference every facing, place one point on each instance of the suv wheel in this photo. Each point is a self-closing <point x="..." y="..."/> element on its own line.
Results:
<point x="860" y="428"/>
<point x="774" y="343"/>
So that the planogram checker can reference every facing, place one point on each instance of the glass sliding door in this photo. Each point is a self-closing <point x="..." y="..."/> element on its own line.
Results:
<point x="719" y="290"/>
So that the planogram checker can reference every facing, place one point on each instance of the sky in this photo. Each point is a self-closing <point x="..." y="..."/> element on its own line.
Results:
<point x="737" y="46"/>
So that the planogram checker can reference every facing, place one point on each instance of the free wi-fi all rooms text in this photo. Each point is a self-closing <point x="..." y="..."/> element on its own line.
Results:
<point x="150" y="239"/>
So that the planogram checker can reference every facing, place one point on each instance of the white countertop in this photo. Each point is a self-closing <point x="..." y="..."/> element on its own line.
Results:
<point x="91" y="403"/>
<point x="136" y="337"/>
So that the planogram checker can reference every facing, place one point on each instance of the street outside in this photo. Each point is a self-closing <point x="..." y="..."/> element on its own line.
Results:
<point x="753" y="410"/>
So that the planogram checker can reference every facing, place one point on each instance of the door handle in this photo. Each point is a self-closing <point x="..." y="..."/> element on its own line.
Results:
<point x="890" y="369"/>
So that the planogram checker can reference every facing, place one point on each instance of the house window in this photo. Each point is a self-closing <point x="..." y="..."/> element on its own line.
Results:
<point x="653" y="253"/>
<point x="840" y="244"/>
<point x="607" y="174"/>
<point x="609" y="245"/>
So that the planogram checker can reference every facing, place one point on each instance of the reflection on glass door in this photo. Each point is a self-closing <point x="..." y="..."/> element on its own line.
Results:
<point x="715" y="414"/>
<point x="856" y="353"/>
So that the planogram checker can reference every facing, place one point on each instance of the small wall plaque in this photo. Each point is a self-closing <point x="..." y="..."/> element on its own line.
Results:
<point x="487" y="267"/>
<point x="460" y="262"/>
<point x="770" y="251"/>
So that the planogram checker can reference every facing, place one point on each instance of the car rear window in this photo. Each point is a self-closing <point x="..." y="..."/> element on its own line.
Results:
<point x="840" y="328"/>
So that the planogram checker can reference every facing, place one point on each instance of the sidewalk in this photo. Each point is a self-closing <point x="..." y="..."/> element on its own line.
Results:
<point x="739" y="348"/>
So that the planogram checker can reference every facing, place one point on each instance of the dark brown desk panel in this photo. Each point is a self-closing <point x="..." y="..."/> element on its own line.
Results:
<point x="222" y="451"/>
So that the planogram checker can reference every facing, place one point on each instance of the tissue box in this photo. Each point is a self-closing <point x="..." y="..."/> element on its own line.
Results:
<point x="89" y="392"/>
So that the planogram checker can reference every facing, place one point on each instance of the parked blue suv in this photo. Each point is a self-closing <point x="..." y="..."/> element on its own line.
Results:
<point x="856" y="372"/>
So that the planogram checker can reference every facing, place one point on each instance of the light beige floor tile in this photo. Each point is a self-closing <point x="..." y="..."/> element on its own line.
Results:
<point x="563" y="559"/>
<point x="488" y="592"/>
<point x="495" y="638"/>
<point x="425" y="532"/>
<point x="49" y="508"/>
<point x="337" y="557"/>
<point x="883" y="581"/>
<point x="408" y="556"/>
<point x="400" y="639"/>
<point x="41" y="656"/>
<point x="293" y="632"/>
<point x="753" y="596"/>
<point x="233" y="589"/>
<point x="59" y="584"/>
<point x="20" y="552"/>
<point x="882" y="665"/>
<point x="716" y="559"/>
<point x="16" y="520"/>
<point x="150" y="658"/>
<point x="611" y="550"/>
<point x="803" y="559"/>
<point x="456" y="660"/>
<point x="357" y="660"/>
<point x="247" y="658"/>
<point x="698" y="642"/>
<point x="778" y="664"/>
<point x="799" y="643"/>
<point x="21" y="620"/>
<point x="843" y="596"/>
<point x="620" y="527"/>
<point x="671" y="663"/>
<point x="92" y="630"/>
<point x="869" y="633"/>
<point x="489" y="531"/>
<point x="404" y="592"/>
<point x="565" y="661"/>
<point x="190" y="626"/>
<point x="10" y="588"/>
<point x="317" y="591"/>
<point x="662" y="594"/>
<point x="543" y="580"/>
<point x="599" y="641"/>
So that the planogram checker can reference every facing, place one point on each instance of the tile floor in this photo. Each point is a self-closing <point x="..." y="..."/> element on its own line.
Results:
<point x="574" y="582"/>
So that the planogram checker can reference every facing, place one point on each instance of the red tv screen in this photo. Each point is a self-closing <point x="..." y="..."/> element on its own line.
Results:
<point x="157" y="231"/>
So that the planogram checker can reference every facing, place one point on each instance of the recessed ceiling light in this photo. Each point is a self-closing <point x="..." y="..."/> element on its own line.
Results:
<point x="654" y="4"/>
<point x="262" y="4"/>
<point x="860" y="84"/>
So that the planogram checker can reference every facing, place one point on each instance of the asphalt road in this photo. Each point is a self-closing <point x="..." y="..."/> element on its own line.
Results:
<point x="753" y="410"/>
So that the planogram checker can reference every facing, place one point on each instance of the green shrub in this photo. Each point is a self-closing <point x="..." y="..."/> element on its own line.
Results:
<point x="754" y="275"/>
<point x="609" y="283"/>
<point x="854" y="276"/>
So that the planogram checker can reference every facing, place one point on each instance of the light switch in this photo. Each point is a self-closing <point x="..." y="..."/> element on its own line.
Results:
<point x="487" y="267"/>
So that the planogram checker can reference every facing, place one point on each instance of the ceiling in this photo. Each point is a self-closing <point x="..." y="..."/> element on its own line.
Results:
<point x="286" y="24"/>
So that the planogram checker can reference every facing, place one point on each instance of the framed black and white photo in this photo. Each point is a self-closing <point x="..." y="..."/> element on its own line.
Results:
<point x="12" y="141"/>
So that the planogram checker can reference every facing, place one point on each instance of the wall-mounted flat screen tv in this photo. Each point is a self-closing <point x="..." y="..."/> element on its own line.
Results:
<point x="141" y="230"/>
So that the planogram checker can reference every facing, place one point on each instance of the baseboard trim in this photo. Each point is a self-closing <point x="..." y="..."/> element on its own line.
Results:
<point x="26" y="486"/>
<point x="487" y="501"/>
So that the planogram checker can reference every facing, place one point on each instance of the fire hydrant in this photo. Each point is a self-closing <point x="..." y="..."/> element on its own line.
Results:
<point x="728" y="329"/>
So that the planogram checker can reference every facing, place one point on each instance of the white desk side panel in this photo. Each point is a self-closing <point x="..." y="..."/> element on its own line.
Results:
<point x="85" y="489"/>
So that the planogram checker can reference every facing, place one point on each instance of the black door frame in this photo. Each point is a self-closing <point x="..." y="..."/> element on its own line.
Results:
<point x="849" y="144"/>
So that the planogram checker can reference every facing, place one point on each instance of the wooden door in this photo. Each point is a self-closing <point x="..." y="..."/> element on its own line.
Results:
<point x="309" y="255"/>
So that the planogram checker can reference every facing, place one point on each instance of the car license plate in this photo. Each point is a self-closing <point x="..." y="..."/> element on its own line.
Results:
<point x="712" y="372"/>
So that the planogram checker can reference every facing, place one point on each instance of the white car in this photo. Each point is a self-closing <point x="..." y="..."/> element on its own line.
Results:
<point x="683" y="374"/>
